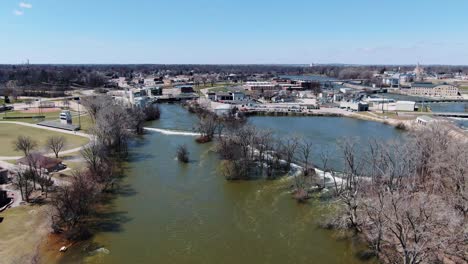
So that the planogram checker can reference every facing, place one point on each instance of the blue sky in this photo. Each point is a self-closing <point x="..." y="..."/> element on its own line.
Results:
<point x="234" y="31"/>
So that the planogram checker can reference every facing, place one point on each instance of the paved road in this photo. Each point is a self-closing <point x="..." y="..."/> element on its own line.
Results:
<point x="51" y="129"/>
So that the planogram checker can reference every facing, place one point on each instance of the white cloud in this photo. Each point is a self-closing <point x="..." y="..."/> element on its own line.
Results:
<point x="18" y="13"/>
<point x="25" y="5"/>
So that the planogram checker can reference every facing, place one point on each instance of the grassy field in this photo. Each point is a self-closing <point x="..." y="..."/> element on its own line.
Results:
<point x="21" y="231"/>
<point x="86" y="122"/>
<point x="208" y="85"/>
<point x="9" y="132"/>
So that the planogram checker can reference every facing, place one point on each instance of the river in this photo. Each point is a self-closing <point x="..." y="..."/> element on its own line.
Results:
<point x="169" y="212"/>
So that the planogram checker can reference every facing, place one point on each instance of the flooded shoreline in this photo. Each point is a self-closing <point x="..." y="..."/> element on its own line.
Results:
<point x="188" y="213"/>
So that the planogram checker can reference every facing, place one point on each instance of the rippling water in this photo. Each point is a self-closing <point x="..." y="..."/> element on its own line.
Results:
<point x="175" y="213"/>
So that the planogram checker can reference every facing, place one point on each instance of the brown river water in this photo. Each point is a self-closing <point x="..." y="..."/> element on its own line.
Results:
<point x="169" y="212"/>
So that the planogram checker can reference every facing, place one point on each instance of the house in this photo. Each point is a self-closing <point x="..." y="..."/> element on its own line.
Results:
<point x="223" y="96"/>
<point x="41" y="162"/>
<point x="432" y="90"/>
<point x="425" y="120"/>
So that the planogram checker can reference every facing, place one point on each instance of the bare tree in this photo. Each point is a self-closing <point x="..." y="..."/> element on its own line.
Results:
<point x="289" y="147"/>
<point x="208" y="126"/>
<point x="305" y="150"/>
<point x="72" y="204"/>
<point x="94" y="156"/>
<point x="414" y="203"/>
<point x="22" y="181"/>
<point x="94" y="104"/>
<point x="138" y="119"/>
<point x="112" y="128"/>
<point x="56" y="144"/>
<point x="25" y="144"/>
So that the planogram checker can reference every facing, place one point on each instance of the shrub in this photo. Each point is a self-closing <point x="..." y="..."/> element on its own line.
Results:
<point x="182" y="154"/>
<point x="401" y="126"/>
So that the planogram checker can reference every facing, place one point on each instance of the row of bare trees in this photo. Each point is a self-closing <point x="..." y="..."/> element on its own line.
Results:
<point x="248" y="152"/>
<point x="408" y="199"/>
<point x="114" y="124"/>
<point x="211" y="125"/>
<point x="74" y="203"/>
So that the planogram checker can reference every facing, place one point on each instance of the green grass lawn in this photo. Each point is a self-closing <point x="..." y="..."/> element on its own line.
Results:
<point x="86" y="122"/>
<point x="9" y="133"/>
<point x="208" y="85"/>
<point x="220" y="89"/>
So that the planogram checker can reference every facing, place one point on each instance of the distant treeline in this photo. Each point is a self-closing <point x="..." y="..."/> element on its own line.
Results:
<point x="98" y="75"/>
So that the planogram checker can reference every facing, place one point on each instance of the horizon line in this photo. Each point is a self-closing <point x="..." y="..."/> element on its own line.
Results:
<point x="235" y="64"/>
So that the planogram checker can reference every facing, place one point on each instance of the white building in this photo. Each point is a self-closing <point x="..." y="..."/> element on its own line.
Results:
<point x="133" y="97"/>
<point x="405" y="106"/>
